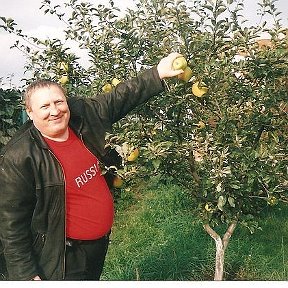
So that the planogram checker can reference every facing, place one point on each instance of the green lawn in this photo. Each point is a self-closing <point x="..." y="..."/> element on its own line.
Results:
<point x="156" y="237"/>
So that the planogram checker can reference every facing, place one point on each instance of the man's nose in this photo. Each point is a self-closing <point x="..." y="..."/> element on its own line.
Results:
<point x="54" y="110"/>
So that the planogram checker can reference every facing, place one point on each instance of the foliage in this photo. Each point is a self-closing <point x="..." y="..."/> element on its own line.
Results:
<point x="237" y="163"/>
<point x="10" y="120"/>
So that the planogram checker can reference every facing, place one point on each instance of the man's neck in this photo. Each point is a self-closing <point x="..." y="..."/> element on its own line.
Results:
<point x="58" y="138"/>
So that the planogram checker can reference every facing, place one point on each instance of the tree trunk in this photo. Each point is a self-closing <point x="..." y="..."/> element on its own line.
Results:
<point x="221" y="245"/>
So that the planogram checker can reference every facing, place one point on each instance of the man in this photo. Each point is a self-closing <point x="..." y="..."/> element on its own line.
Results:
<point x="56" y="209"/>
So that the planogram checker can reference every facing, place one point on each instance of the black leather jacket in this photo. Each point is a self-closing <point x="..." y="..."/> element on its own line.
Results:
<point x="32" y="186"/>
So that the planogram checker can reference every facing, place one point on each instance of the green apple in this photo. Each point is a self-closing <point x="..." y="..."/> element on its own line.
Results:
<point x="107" y="88"/>
<point x="64" y="79"/>
<point x="115" y="82"/>
<point x="117" y="182"/>
<point x="133" y="155"/>
<point x="199" y="89"/>
<point x="179" y="63"/>
<point x="186" y="75"/>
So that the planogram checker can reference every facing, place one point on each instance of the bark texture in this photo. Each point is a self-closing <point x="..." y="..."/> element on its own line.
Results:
<point x="221" y="245"/>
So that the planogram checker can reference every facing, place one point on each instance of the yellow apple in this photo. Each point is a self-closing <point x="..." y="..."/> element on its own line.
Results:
<point x="200" y="124"/>
<point x="199" y="89"/>
<point x="117" y="182"/>
<point x="63" y="79"/>
<point x="208" y="207"/>
<point x="133" y="155"/>
<point x="272" y="201"/>
<point x="107" y="88"/>
<point x="63" y="66"/>
<point x="179" y="63"/>
<point x="186" y="75"/>
<point x="115" y="82"/>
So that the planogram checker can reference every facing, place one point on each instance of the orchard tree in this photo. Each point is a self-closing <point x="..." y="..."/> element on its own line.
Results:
<point x="221" y="134"/>
<point x="10" y="113"/>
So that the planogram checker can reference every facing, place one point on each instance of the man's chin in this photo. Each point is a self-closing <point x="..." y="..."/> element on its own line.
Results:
<point x="60" y="133"/>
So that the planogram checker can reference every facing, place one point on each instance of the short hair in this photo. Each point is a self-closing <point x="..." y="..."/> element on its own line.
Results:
<point x="38" y="84"/>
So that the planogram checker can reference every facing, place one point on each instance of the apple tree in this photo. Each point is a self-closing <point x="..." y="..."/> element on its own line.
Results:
<point x="226" y="147"/>
<point x="224" y="140"/>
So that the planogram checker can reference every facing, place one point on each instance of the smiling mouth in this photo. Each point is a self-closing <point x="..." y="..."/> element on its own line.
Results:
<point x="58" y="119"/>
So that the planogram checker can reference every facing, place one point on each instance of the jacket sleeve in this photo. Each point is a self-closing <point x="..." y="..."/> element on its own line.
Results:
<point x="113" y="106"/>
<point x="16" y="209"/>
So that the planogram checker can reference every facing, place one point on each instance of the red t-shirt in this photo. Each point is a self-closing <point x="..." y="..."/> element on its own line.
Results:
<point x="89" y="203"/>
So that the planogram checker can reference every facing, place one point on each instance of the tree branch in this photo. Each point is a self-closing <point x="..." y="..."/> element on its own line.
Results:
<point x="228" y="234"/>
<point x="211" y="232"/>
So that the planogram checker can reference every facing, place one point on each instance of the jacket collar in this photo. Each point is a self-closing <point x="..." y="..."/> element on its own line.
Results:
<point x="75" y="123"/>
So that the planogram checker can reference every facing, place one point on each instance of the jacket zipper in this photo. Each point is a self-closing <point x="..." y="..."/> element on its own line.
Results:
<point x="65" y="227"/>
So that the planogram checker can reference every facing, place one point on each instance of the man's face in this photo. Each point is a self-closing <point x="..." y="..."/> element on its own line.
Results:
<point x="49" y="112"/>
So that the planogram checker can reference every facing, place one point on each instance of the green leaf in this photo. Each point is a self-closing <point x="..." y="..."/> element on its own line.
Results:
<point x="235" y="186"/>
<point x="156" y="163"/>
<point x="221" y="202"/>
<point x="231" y="201"/>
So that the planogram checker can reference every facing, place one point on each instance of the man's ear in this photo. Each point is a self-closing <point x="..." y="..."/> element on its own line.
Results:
<point x="29" y="113"/>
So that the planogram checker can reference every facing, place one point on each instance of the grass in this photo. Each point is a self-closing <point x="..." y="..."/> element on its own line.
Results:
<point x="263" y="256"/>
<point x="156" y="237"/>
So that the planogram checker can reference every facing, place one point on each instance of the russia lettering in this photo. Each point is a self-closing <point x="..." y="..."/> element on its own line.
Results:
<point x="87" y="175"/>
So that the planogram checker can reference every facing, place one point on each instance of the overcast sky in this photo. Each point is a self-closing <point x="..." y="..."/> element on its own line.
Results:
<point x="33" y="22"/>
